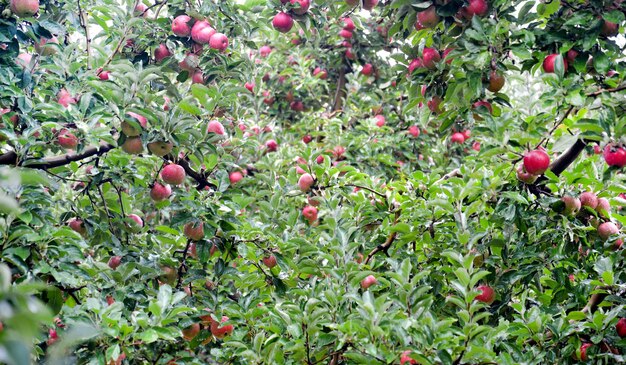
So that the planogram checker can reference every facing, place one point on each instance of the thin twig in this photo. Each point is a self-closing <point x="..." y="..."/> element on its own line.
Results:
<point x="85" y="25"/>
<point x="183" y="265"/>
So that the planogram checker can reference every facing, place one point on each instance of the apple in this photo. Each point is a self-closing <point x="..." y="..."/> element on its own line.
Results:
<point x="476" y="7"/>
<point x="215" y="127"/>
<point x="338" y="151"/>
<point x="603" y="208"/>
<point x="235" y="177"/>
<point x="476" y="146"/>
<point x="133" y="145"/>
<point x="296" y="106"/>
<point x="219" y="41"/>
<point x="250" y="86"/>
<point x="265" y="51"/>
<point x="268" y="99"/>
<point x="430" y="57"/>
<point x="367" y="69"/>
<point x="271" y="145"/>
<point x="607" y="229"/>
<point x="180" y="26"/>
<point x="589" y="199"/>
<point x="487" y="295"/>
<point x="194" y="230"/>
<point x="173" y="174"/>
<point x="415" y="64"/>
<point x="434" y="104"/>
<point x="320" y="73"/>
<point x="304" y="6"/>
<point x="65" y="98"/>
<point x="307" y="139"/>
<point x="609" y="29"/>
<point x="104" y="75"/>
<point x="221" y="332"/>
<point x="482" y="103"/>
<point x="269" y="261"/>
<point x="190" y="63"/>
<point x="572" y="205"/>
<point x="414" y="131"/>
<point x="428" y="18"/>
<point x="457" y="138"/>
<point x="161" y="52"/>
<point x="77" y="226"/>
<point x="130" y="130"/>
<point x="620" y="327"/>
<point x="346" y="34"/>
<point x="405" y="358"/>
<point x="571" y="55"/>
<point x="67" y="140"/>
<point x="114" y="262"/>
<point x="201" y="32"/>
<point x="368" y="281"/>
<point x="369" y="4"/>
<point x="549" y="61"/>
<point x="52" y="337"/>
<point x="160" y="148"/>
<point x="348" y="24"/>
<point x="310" y="213"/>
<point x="160" y="192"/>
<point x="536" y="162"/>
<point x="583" y="351"/>
<point x="282" y="22"/>
<point x="24" y="8"/>
<point x="496" y="82"/>
<point x="467" y="134"/>
<point x="349" y="54"/>
<point x="191" y="332"/>
<point x="305" y="182"/>
<point x="615" y="155"/>
<point x="23" y="60"/>
<point x="380" y="120"/>
<point x="45" y="48"/>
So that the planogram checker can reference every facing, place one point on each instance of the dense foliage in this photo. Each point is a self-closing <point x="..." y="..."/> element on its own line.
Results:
<point x="312" y="182"/>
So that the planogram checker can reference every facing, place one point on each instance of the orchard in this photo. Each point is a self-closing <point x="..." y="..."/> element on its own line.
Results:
<point x="312" y="182"/>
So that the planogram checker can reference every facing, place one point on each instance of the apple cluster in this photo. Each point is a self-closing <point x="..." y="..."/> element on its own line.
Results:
<point x="283" y="21"/>
<point x="598" y="209"/>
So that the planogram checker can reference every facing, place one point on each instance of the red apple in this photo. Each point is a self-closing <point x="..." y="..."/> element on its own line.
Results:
<point x="173" y="174"/>
<point x="609" y="29"/>
<point x="194" y="230"/>
<point x="307" y="139"/>
<point x="271" y="145"/>
<point x="304" y="6"/>
<point x="221" y="332"/>
<point x="250" y="86"/>
<point x="130" y="130"/>
<point x="487" y="295"/>
<point x="197" y="77"/>
<point x="457" y="138"/>
<point x="180" y="26"/>
<point x="428" y="18"/>
<point x="215" y="127"/>
<point x="430" y="57"/>
<point x="23" y="60"/>
<point x="572" y="205"/>
<point x="320" y="73"/>
<point x="265" y="51"/>
<point x="67" y="140"/>
<point x="496" y="82"/>
<point x="583" y="351"/>
<point x="549" y="62"/>
<point x="305" y="182"/>
<point x="620" y="327"/>
<point x="114" y="262"/>
<point x="571" y="55"/>
<point x="65" y="98"/>
<point x="476" y="146"/>
<point x="434" y="104"/>
<point x="607" y="229"/>
<point x="414" y="131"/>
<point x="405" y="358"/>
<point x="282" y="22"/>
<point x="380" y="120"/>
<point x="24" y="8"/>
<point x="77" y="226"/>
<point x="536" y="162"/>
<point x="45" y="46"/>
<point x="367" y="69"/>
<point x="310" y="213"/>
<point x="615" y="155"/>
<point x="219" y="41"/>
<point x="297" y="106"/>
<point x="190" y="63"/>
<point x="477" y="7"/>
<point x="269" y="261"/>
<point x="344" y="33"/>
<point x="191" y="332"/>
<point x="161" y="52"/>
<point x="369" y="4"/>
<point x="414" y="65"/>
<point x="589" y="199"/>
<point x="104" y="75"/>
<point x="368" y="281"/>
<point x="201" y="32"/>
<point x="603" y="208"/>
<point x="160" y="192"/>
<point x="348" y="24"/>
<point x="52" y="337"/>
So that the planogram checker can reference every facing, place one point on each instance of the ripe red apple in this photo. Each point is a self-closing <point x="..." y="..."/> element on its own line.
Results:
<point x="296" y="106"/>
<point x="221" y="332"/>
<point x="271" y="145"/>
<point x="201" y="32"/>
<point x="549" y="61"/>
<point x="24" y="8"/>
<point x="161" y="52"/>
<point x="160" y="148"/>
<point x="428" y="18"/>
<point x="607" y="229"/>
<point x="476" y="146"/>
<point x="615" y="155"/>
<point x="268" y="99"/>
<point x="23" y="60"/>
<point x="160" y="192"/>
<point x="430" y="57"/>
<point x="194" y="230"/>
<point x="349" y="54"/>
<point x="414" y="131"/>
<point x="609" y="29"/>
<point x="405" y="358"/>
<point x="307" y="139"/>
<point x="320" y="73"/>
<point x="304" y="6"/>
<point x="380" y="120"/>
<point x="180" y="26"/>
<point x="414" y="65"/>
<point x="282" y="22"/>
<point x="496" y="82"/>
<point x="197" y="77"/>
<point x="467" y="134"/>
<point x="67" y="140"/>
<point x="215" y="127"/>
<point x="434" y="104"/>
<point x="52" y="337"/>
<point x="536" y="162"/>
<point x="482" y="103"/>
<point x="369" y="4"/>
<point x="250" y="86"/>
<point x="310" y="213"/>
<point x="104" y="75"/>
<point x="583" y="351"/>
<point x="269" y="261"/>
<point x="367" y="69"/>
<point x="173" y="174"/>
<point x="368" y="281"/>
<point x="572" y="205"/>
<point x="114" y="262"/>
<point x="457" y="138"/>
<point x="265" y="51"/>
<point x="190" y="63"/>
<point x="305" y="182"/>
<point x="77" y="226"/>
<point x="45" y="46"/>
<point x="133" y="145"/>
<point x="571" y="55"/>
<point x="346" y="34"/>
<point x="191" y="332"/>
<point x="348" y="24"/>
<point x="132" y="130"/>
<point x="219" y="41"/>
<point x="589" y="199"/>
<point x="603" y="208"/>
<point x="235" y="177"/>
<point x="620" y="327"/>
<point x="487" y="295"/>
<point x="476" y="7"/>
<point x="65" y="98"/>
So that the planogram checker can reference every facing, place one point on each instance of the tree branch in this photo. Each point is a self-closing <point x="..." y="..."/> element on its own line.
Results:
<point x="387" y="244"/>
<point x="85" y="25"/>
<point x="11" y="158"/>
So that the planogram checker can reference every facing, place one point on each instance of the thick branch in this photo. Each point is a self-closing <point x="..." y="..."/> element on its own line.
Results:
<point x="11" y="158"/>
<point x="340" y="93"/>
